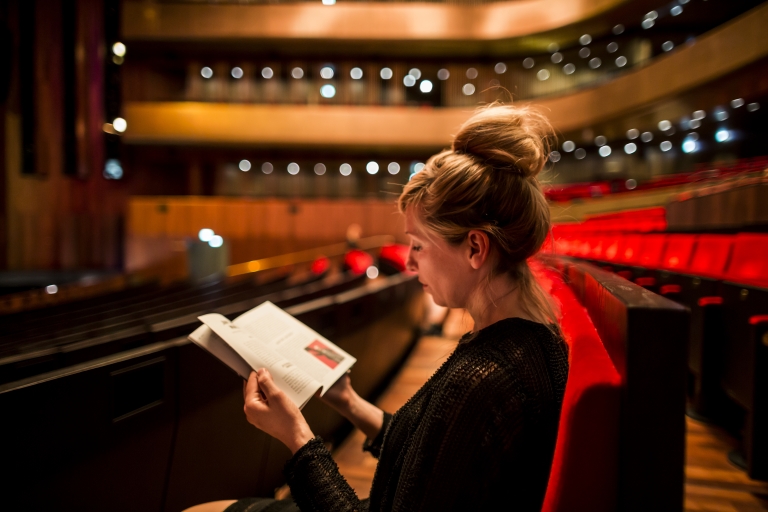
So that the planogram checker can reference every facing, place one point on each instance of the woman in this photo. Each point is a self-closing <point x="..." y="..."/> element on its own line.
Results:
<point x="480" y="434"/>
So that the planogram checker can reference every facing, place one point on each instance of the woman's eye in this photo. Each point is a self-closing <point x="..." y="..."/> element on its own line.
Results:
<point x="416" y="247"/>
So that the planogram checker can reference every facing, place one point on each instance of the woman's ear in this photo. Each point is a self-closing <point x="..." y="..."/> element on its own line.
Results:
<point x="479" y="248"/>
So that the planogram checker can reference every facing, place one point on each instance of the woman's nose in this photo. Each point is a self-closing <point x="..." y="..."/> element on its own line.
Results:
<point x="410" y="263"/>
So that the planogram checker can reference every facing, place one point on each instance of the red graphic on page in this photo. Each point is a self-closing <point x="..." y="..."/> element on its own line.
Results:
<point x="326" y="355"/>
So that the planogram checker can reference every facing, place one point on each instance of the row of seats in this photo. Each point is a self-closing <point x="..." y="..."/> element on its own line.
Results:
<point x="740" y="258"/>
<point x="702" y="172"/>
<point x="643" y="220"/>
<point x="723" y="280"/>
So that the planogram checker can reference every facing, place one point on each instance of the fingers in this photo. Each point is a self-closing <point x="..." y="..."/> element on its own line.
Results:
<point x="266" y="384"/>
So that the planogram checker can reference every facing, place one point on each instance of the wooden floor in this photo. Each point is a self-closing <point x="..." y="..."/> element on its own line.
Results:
<point x="712" y="483"/>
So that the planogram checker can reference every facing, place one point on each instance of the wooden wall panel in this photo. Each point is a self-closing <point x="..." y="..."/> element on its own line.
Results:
<point x="369" y="21"/>
<point x="252" y="228"/>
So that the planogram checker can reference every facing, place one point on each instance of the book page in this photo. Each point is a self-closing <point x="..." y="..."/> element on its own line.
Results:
<point x="298" y="385"/>
<point x="205" y="338"/>
<point x="318" y="357"/>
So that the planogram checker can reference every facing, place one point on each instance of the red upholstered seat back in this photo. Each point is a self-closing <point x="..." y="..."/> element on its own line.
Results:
<point x="749" y="261"/>
<point x="678" y="252"/>
<point x="711" y="255"/>
<point x="585" y="466"/>
<point x="652" y="251"/>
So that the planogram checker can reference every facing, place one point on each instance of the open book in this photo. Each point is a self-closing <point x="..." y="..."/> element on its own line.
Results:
<point x="300" y="360"/>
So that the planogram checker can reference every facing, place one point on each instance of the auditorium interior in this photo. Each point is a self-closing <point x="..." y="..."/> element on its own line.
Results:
<point x="165" y="159"/>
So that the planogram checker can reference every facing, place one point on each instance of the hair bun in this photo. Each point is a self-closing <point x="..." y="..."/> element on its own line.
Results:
<point x="504" y="136"/>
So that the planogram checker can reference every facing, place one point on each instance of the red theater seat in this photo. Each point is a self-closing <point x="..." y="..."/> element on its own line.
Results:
<point x="396" y="255"/>
<point x="357" y="261"/>
<point x="678" y="253"/>
<point x="585" y="465"/>
<point x="652" y="251"/>
<point x="749" y="261"/>
<point x="629" y="251"/>
<point x="711" y="256"/>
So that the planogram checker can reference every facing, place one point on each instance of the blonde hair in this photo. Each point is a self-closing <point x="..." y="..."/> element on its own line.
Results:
<point x="488" y="181"/>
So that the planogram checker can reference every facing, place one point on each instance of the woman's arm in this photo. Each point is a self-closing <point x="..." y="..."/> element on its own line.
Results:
<point x="362" y="413"/>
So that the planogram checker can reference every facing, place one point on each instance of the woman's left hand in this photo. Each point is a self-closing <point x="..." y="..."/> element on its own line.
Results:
<point x="269" y="409"/>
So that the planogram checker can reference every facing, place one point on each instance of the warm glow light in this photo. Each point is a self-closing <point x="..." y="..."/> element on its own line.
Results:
<point x="721" y="115"/>
<point x="415" y="73"/>
<point x="372" y="272"/>
<point x="293" y="168"/>
<point x="738" y="102"/>
<point x="600" y="140"/>
<point x="267" y="73"/>
<point x="51" y="289"/>
<point x="528" y="63"/>
<point x="646" y="137"/>
<point x="425" y="86"/>
<point x="499" y="68"/>
<point x="584" y="52"/>
<point x="345" y="169"/>
<point x="698" y="115"/>
<point x="326" y="72"/>
<point x="605" y="151"/>
<point x="237" y="72"/>
<point x="630" y="148"/>
<point x="580" y="153"/>
<point x="664" y="125"/>
<point x="372" y="167"/>
<point x="631" y="184"/>
<point x="554" y="156"/>
<point x="471" y="73"/>
<point x="120" y="124"/>
<point x="585" y="39"/>
<point x="647" y="23"/>
<point x="444" y="74"/>
<point x="205" y="234"/>
<point x="595" y="63"/>
<point x="409" y="81"/>
<point x="667" y="46"/>
<point x="297" y="73"/>
<point x="618" y="29"/>
<point x="386" y="73"/>
<point x="569" y="69"/>
<point x="118" y="49"/>
<point x="621" y="61"/>
<point x="569" y="146"/>
<point x="665" y="146"/>
<point x="722" y="135"/>
<point x="752" y="107"/>
<point x="244" y="165"/>
<point x="543" y="74"/>
<point x="216" y="241"/>
<point x="676" y="10"/>
<point x="417" y="167"/>
<point x="267" y="168"/>
<point x="556" y="58"/>
<point x="612" y="47"/>
<point x="327" y="91"/>
<point x="206" y="72"/>
<point x="356" y="73"/>
<point x="393" y="168"/>
<point x="633" y="133"/>
<point x="468" y="89"/>
<point x="319" y="169"/>
<point x="329" y="2"/>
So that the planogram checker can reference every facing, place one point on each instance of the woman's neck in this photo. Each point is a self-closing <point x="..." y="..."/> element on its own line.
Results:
<point x="498" y="300"/>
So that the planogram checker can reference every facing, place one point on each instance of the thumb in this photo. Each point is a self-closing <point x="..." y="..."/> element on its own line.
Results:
<point x="266" y="384"/>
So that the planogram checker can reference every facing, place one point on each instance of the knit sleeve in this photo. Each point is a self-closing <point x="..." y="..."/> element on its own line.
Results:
<point x="470" y="433"/>
<point x="316" y="484"/>
<point x="373" y="446"/>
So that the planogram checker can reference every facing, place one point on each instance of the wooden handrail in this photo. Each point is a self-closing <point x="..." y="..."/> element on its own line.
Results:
<point x="304" y="256"/>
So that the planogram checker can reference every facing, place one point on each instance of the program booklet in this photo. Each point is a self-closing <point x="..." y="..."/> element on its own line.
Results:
<point x="300" y="360"/>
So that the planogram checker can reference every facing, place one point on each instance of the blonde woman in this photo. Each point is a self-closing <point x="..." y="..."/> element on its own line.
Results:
<point x="481" y="433"/>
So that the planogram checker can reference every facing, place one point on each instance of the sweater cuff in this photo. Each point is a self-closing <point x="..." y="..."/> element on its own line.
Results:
<point x="373" y="446"/>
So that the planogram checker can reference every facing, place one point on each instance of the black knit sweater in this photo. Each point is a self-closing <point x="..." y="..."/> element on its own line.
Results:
<point x="479" y="435"/>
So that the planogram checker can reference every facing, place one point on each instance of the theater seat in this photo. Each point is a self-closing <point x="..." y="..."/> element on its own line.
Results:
<point x="585" y="465"/>
<point x="678" y="252"/>
<point x="711" y="256"/>
<point x="749" y="261"/>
